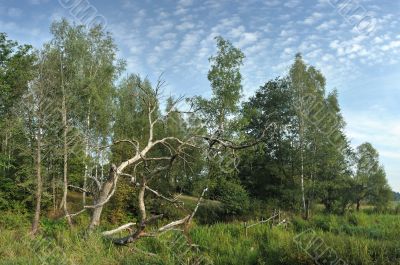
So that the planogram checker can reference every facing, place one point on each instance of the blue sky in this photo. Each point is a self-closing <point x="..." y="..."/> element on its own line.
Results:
<point x="358" y="52"/>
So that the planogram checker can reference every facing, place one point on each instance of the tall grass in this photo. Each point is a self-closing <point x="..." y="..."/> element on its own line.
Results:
<point x="357" y="238"/>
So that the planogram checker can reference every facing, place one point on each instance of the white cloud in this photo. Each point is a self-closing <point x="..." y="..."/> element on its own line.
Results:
<point x="185" y="26"/>
<point x="247" y="38"/>
<point x="327" y="25"/>
<point x="14" y="12"/>
<point x="185" y="2"/>
<point x="37" y="2"/>
<point x="156" y="31"/>
<point x="392" y="45"/>
<point x="316" y="16"/>
<point x="272" y="3"/>
<point x="292" y="3"/>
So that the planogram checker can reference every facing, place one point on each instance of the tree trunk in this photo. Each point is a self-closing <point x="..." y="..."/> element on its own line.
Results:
<point x="141" y="226"/>
<point x="358" y="205"/>
<point x="53" y="187"/>
<point x="65" y="147"/>
<point x="301" y="138"/>
<point x="307" y="213"/>
<point x="85" y="176"/>
<point x="142" y="206"/>
<point x="101" y="197"/>
<point x="36" y="219"/>
<point x="302" y="182"/>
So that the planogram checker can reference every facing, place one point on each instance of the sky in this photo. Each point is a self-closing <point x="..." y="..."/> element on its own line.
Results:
<point x="355" y="45"/>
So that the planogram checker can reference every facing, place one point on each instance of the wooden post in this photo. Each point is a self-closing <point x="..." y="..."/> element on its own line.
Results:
<point x="279" y="216"/>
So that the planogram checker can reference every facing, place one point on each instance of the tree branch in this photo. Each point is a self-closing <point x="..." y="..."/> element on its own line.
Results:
<point x="174" y="200"/>
<point x="79" y="188"/>
<point x="119" y="229"/>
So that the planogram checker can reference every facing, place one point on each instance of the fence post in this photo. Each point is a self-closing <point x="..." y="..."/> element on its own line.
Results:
<point x="279" y="216"/>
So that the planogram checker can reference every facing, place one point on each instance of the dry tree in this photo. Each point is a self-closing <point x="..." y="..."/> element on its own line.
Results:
<point x="151" y="167"/>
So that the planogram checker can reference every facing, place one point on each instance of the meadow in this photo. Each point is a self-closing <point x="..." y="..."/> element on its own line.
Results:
<point x="355" y="238"/>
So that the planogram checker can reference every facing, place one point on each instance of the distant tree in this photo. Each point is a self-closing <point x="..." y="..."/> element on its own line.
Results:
<point x="380" y="192"/>
<point x="367" y="164"/>
<point x="370" y="179"/>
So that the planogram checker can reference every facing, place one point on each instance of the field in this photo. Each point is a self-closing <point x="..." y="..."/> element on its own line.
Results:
<point x="358" y="238"/>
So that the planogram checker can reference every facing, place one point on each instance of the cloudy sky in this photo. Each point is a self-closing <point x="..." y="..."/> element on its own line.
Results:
<point x="356" y="46"/>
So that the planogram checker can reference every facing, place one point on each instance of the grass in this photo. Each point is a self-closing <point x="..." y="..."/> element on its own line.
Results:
<point x="358" y="238"/>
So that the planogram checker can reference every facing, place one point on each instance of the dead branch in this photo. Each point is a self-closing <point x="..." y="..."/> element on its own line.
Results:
<point x="230" y="145"/>
<point x="185" y="221"/>
<point x="78" y="188"/>
<point x="138" y="233"/>
<point x="197" y="205"/>
<point x="98" y="184"/>
<point x="74" y="214"/>
<point x="174" y="224"/>
<point x="174" y="200"/>
<point x="119" y="229"/>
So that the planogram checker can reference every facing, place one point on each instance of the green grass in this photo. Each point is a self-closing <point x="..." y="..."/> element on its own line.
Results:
<point x="358" y="238"/>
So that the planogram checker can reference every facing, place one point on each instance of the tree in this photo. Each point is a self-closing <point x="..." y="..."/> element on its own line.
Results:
<point x="367" y="164"/>
<point x="225" y="79"/>
<point x="268" y="171"/>
<point x="216" y="113"/>
<point x="16" y="71"/>
<point x="308" y="86"/>
<point x="96" y="71"/>
<point x="380" y="192"/>
<point x="85" y="68"/>
<point x="144" y="151"/>
<point x="35" y="102"/>
<point x="370" y="179"/>
<point x="306" y="148"/>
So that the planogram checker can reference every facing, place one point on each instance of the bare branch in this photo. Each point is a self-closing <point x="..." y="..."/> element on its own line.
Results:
<point x="75" y="214"/>
<point x="197" y="205"/>
<point x="174" y="224"/>
<point x="119" y="229"/>
<point x="133" y="142"/>
<point x="229" y="144"/>
<point x="78" y="188"/>
<point x="105" y="201"/>
<point x="98" y="184"/>
<point x="174" y="200"/>
<point x="185" y="221"/>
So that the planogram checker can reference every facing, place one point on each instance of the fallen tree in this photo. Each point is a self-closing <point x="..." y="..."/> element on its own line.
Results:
<point x="146" y="167"/>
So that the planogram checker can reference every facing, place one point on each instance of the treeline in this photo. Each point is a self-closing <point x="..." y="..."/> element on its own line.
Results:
<point x="71" y="122"/>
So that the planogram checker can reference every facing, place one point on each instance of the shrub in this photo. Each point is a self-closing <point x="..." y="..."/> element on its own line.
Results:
<point x="233" y="196"/>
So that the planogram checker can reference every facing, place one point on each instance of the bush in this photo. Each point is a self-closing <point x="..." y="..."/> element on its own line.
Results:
<point x="233" y="196"/>
<point x="14" y="220"/>
<point x="210" y="213"/>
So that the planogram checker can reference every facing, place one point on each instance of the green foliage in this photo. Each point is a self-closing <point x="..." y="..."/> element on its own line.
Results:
<point x="225" y="79"/>
<point x="370" y="179"/>
<point x="17" y="69"/>
<point x="306" y="148"/>
<point x="233" y="196"/>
